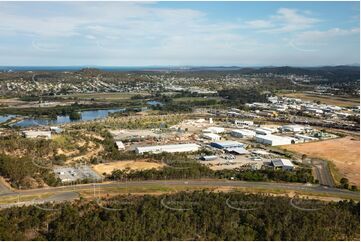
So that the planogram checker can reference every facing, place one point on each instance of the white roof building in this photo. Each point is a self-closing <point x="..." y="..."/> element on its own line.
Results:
<point x="243" y="133"/>
<point x="283" y="164"/>
<point x="37" y="134"/>
<point x="226" y="144"/>
<point x="264" y="131"/>
<point x="243" y="122"/>
<point x="120" y="145"/>
<point x="215" y="130"/>
<point x="238" y="150"/>
<point x="305" y="137"/>
<point x="167" y="148"/>
<point x="292" y="128"/>
<point x="274" y="140"/>
<point x="211" y="136"/>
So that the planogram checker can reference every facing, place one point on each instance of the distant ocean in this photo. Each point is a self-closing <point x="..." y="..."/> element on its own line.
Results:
<point x="117" y="68"/>
<point x="77" y="68"/>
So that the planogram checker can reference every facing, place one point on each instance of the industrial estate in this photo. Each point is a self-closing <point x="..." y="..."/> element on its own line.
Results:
<point x="179" y="121"/>
<point x="100" y="144"/>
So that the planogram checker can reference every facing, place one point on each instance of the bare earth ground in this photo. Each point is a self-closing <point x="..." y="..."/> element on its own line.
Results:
<point x="121" y="165"/>
<point x="331" y="100"/>
<point x="344" y="153"/>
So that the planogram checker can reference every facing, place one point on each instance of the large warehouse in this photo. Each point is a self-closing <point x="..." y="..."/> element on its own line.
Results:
<point x="243" y="133"/>
<point x="274" y="140"/>
<point x="292" y="128"/>
<point x="167" y="148"/>
<point x="227" y="144"/>
<point x="211" y="136"/>
<point x="214" y="130"/>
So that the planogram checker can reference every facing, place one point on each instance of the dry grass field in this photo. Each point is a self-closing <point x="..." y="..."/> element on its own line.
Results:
<point x="331" y="100"/>
<point x="344" y="153"/>
<point x="121" y="165"/>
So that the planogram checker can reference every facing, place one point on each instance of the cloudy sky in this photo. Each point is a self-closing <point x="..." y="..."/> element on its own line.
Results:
<point x="179" y="33"/>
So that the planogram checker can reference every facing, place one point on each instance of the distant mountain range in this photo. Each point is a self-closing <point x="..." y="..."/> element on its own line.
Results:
<point x="340" y="73"/>
<point x="260" y="69"/>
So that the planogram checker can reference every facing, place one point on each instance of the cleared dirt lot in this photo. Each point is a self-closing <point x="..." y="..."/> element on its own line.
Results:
<point x="331" y="100"/>
<point x="344" y="153"/>
<point x="121" y="165"/>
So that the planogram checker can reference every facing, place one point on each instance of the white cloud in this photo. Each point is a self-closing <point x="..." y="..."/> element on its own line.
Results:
<point x="124" y="33"/>
<point x="285" y="20"/>
<point x="259" y="24"/>
<point x="316" y="40"/>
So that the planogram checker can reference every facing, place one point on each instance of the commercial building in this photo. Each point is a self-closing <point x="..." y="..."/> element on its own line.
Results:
<point x="227" y="144"/>
<point x="167" y="148"/>
<point x="274" y="140"/>
<point x="211" y="136"/>
<point x="283" y="164"/>
<point x="243" y="133"/>
<point x="37" y="134"/>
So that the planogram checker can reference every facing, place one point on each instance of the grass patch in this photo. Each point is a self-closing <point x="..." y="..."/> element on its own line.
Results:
<point x="23" y="198"/>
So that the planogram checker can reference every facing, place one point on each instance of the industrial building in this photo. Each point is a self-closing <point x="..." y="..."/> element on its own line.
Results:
<point x="243" y="122"/>
<point x="264" y="131"/>
<point x="211" y="136"/>
<point x="208" y="157"/>
<point x="56" y="130"/>
<point x="243" y="133"/>
<point x="283" y="164"/>
<point x="274" y="140"/>
<point x="120" y="145"/>
<point x="227" y="144"/>
<point x="214" y="130"/>
<point x="305" y="138"/>
<point x="167" y="148"/>
<point x="37" y="134"/>
<point x="237" y="151"/>
<point x="292" y="128"/>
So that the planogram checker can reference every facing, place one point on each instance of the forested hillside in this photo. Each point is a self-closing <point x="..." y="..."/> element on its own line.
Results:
<point x="185" y="216"/>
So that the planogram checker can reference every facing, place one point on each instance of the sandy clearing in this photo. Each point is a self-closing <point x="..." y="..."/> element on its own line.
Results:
<point x="343" y="152"/>
<point x="121" y="165"/>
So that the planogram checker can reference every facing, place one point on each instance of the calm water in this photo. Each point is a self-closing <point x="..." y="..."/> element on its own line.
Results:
<point x="85" y="116"/>
<point x="154" y="103"/>
<point x="4" y="118"/>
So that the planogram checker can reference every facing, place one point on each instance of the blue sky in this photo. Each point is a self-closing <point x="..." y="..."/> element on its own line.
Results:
<point x="179" y="33"/>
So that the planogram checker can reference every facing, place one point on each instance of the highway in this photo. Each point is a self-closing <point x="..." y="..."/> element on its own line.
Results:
<point x="67" y="192"/>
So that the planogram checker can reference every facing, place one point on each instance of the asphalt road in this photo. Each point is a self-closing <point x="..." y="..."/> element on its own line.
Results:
<point x="67" y="193"/>
<point x="322" y="172"/>
<point x="3" y="188"/>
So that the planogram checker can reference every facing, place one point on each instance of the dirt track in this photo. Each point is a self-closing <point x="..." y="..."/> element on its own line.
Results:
<point x="121" y="165"/>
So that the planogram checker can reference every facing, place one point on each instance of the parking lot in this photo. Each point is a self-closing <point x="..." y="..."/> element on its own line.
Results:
<point x="72" y="174"/>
